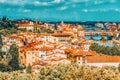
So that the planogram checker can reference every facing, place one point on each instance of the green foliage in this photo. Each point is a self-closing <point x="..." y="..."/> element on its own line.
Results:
<point x="45" y="30"/>
<point x="14" y="63"/>
<point x="29" y="69"/>
<point x="1" y="40"/>
<point x="113" y="51"/>
<point x="8" y="31"/>
<point x="55" y="27"/>
<point x="4" y="68"/>
<point x="10" y="60"/>
<point x="22" y="29"/>
<point x="6" y="23"/>
<point x="14" y="60"/>
<point x="65" y="72"/>
<point x="119" y="67"/>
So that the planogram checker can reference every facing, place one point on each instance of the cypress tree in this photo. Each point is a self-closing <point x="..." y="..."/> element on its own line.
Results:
<point x="29" y="69"/>
<point x="1" y="40"/>
<point x="14" y="62"/>
<point x="119" y="67"/>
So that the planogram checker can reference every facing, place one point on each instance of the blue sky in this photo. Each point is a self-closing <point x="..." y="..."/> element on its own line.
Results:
<point x="58" y="10"/>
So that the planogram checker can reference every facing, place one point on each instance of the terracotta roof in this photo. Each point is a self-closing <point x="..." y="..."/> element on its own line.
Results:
<point x="44" y="34"/>
<point x="80" y="27"/>
<point x="79" y="52"/>
<point x="81" y="42"/>
<point x="60" y="34"/>
<point x="19" y="24"/>
<point x="14" y="36"/>
<point x="45" y="48"/>
<point x="100" y="59"/>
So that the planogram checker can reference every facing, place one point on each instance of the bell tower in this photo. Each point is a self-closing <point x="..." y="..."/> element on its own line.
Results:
<point x="36" y="24"/>
<point x="36" y="20"/>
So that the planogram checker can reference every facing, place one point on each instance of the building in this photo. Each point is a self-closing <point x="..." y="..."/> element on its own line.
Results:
<point x="81" y="32"/>
<point x="28" y="25"/>
<point x="62" y="38"/>
<point x="91" y="58"/>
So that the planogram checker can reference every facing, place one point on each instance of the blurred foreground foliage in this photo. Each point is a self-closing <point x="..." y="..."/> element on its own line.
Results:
<point x="65" y="72"/>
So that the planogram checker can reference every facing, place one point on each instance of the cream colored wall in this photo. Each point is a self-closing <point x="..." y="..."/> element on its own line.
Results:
<point x="31" y="57"/>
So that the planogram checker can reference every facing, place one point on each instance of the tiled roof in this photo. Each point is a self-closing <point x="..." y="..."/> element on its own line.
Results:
<point x="79" y="51"/>
<point x="25" y="24"/>
<point x="60" y="34"/>
<point x="100" y="59"/>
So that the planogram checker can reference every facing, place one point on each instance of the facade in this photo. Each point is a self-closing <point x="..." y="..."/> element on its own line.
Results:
<point x="62" y="38"/>
<point x="81" y="32"/>
<point x="35" y="52"/>
<point x="28" y="25"/>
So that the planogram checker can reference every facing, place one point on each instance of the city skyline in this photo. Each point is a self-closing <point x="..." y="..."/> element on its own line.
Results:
<point x="62" y="10"/>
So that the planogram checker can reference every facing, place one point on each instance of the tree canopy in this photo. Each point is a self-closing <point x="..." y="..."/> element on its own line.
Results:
<point x="14" y="60"/>
<point x="113" y="51"/>
<point x="1" y="40"/>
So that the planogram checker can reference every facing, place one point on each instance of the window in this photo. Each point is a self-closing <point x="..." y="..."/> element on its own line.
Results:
<point x="32" y="52"/>
<point x="21" y="57"/>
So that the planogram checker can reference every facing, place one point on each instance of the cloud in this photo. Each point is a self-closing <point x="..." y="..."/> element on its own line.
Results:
<point x="27" y="10"/>
<point x="57" y="1"/>
<point x="117" y="9"/>
<point x="41" y="3"/>
<point x="80" y="0"/>
<point x="63" y="8"/>
<point x="2" y="1"/>
<point x="85" y="10"/>
<point x="98" y="2"/>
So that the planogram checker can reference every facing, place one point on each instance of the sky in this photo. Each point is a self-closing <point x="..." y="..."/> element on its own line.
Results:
<point x="62" y="10"/>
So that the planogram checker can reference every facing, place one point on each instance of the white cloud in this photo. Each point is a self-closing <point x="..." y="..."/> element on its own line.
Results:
<point x="101" y="10"/>
<point x="23" y="10"/>
<point x="57" y="1"/>
<point x="18" y="2"/>
<point x="63" y="8"/>
<point x="85" y="10"/>
<point x="118" y="10"/>
<point x="2" y="1"/>
<point x="41" y="3"/>
<point x="80" y="0"/>
<point x="98" y="2"/>
<point x="27" y="10"/>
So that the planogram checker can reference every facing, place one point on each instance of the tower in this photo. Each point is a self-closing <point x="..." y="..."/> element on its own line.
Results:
<point x="36" y="20"/>
<point x="36" y="24"/>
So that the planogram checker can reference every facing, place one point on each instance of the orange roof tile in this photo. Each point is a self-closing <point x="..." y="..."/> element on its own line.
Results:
<point x="103" y="59"/>
<point x="60" y="34"/>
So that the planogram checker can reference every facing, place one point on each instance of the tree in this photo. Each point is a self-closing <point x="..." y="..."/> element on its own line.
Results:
<point x="55" y="26"/>
<point x="29" y="69"/>
<point x="14" y="61"/>
<point x="4" y="18"/>
<point x="1" y="40"/>
<point x="4" y="68"/>
<point x="49" y="31"/>
<point x="105" y="49"/>
<point x="119" y="67"/>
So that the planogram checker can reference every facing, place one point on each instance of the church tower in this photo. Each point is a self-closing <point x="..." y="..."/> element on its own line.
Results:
<point x="36" y="24"/>
<point x="36" y="20"/>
